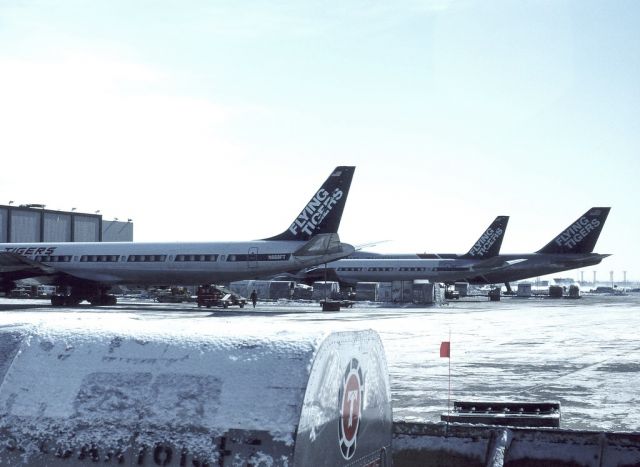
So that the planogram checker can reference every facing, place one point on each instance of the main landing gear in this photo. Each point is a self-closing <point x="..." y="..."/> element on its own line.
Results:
<point x="97" y="296"/>
<point x="7" y="287"/>
<point x="509" y="289"/>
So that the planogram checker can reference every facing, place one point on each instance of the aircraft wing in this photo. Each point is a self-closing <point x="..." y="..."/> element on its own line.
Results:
<point x="14" y="267"/>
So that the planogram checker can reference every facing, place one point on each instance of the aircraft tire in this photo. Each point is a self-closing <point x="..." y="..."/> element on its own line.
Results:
<point x="103" y="300"/>
<point x="71" y="300"/>
<point x="57" y="300"/>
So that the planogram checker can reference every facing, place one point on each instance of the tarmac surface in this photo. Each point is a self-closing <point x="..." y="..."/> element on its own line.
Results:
<point x="583" y="353"/>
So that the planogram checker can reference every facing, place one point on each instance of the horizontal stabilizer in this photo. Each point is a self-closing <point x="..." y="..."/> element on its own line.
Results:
<point x="581" y="236"/>
<point x="369" y="245"/>
<point x="496" y="263"/>
<point x="324" y="244"/>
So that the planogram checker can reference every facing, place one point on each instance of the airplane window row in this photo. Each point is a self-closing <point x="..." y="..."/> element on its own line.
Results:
<point x="380" y="269"/>
<point x="54" y="258"/>
<point x="196" y="257"/>
<point x="146" y="258"/>
<point x="157" y="258"/>
<point x="99" y="258"/>
<point x="261" y="257"/>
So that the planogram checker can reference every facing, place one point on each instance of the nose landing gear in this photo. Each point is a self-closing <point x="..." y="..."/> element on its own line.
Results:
<point x="97" y="296"/>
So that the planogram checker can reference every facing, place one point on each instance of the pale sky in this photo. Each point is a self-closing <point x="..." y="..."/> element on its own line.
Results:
<point x="216" y="120"/>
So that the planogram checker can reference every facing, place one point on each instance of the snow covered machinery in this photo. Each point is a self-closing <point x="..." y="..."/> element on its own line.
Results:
<point x="139" y="397"/>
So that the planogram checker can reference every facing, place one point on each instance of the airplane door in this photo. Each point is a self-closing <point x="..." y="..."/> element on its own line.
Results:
<point x="252" y="258"/>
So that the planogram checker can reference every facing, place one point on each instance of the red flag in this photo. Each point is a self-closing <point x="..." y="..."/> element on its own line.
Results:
<point x="445" y="349"/>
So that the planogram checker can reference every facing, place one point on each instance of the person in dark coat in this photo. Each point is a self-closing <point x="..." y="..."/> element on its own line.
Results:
<point x="254" y="297"/>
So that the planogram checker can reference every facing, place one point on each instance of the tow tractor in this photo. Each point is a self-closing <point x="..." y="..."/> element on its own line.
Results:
<point x="175" y="295"/>
<point x="217" y="295"/>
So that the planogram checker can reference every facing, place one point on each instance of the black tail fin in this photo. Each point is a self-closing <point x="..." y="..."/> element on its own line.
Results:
<point x="323" y="212"/>
<point x="581" y="236"/>
<point x="490" y="241"/>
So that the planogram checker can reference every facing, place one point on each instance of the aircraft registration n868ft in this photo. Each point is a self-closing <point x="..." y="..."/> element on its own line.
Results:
<point x="88" y="270"/>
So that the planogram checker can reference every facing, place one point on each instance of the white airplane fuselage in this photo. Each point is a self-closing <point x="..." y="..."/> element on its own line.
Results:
<point x="514" y="267"/>
<point x="171" y="263"/>
<point x="386" y="270"/>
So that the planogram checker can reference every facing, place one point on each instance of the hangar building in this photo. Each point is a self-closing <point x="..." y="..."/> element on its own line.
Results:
<point x="30" y="223"/>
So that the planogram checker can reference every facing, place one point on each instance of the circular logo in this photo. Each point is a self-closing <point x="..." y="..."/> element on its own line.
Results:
<point x="350" y="400"/>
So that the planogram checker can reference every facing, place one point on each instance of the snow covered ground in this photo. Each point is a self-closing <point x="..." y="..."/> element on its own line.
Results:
<point x="584" y="353"/>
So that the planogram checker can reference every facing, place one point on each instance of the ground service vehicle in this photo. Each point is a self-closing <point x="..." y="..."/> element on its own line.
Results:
<point x="217" y="295"/>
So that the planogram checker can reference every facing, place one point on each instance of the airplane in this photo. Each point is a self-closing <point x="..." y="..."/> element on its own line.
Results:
<point x="444" y="267"/>
<point x="88" y="270"/>
<point x="571" y="249"/>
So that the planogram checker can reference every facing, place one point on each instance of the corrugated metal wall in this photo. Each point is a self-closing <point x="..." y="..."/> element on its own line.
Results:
<point x="57" y="227"/>
<point x="86" y="229"/>
<point x="25" y="224"/>
<point x="116" y="231"/>
<point x="4" y="213"/>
